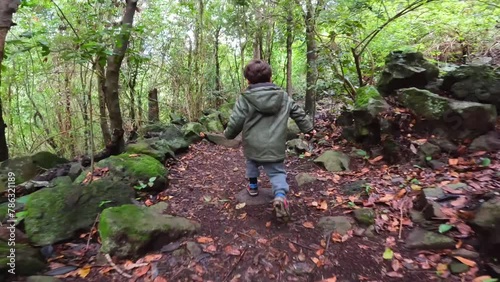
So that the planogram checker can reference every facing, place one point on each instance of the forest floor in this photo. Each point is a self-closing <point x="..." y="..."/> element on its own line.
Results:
<point x="244" y="242"/>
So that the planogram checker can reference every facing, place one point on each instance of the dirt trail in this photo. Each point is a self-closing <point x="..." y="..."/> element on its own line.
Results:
<point x="248" y="245"/>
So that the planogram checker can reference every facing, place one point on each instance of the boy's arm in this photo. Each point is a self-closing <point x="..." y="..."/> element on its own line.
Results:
<point x="237" y="119"/>
<point x="300" y="117"/>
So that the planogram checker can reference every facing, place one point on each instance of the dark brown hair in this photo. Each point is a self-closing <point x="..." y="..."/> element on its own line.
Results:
<point x="258" y="71"/>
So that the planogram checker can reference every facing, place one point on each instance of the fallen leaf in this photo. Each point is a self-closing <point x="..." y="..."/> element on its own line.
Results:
<point x="148" y="203"/>
<point x="240" y="206"/>
<point x="152" y="257"/>
<point x="323" y="205"/>
<point x="141" y="271"/>
<point x="396" y="265"/>
<point x="129" y="265"/>
<point x="292" y="247"/>
<point x="160" y="279"/>
<point x="308" y="224"/>
<point x="464" y="229"/>
<point x="453" y="162"/>
<point x="331" y="279"/>
<point x="465" y="261"/>
<point x="386" y="198"/>
<point x="320" y="252"/>
<point x="376" y="159"/>
<point x="262" y="241"/>
<point x="210" y="249"/>
<point x="242" y="216"/>
<point x="401" y="193"/>
<point x="204" y="240"/>
<point x="394" y="274"/>
<point x="484" y="278"/>
<point x="230" y="250"/>
<point x="388" y="254"/>
<point x="134" y="155"/>
<point x="84" y="271"/>
<point x="460" y="202"/>
<point x="443" y="228"/>
<point x="301" y="257"/>
<point x="268" y="224"/>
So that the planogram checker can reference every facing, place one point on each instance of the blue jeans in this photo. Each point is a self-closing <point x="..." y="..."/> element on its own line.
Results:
<point x="275" y="171"/>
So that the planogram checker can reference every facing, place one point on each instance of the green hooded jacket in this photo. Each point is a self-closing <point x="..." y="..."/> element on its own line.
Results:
<point x="262" y="113"/>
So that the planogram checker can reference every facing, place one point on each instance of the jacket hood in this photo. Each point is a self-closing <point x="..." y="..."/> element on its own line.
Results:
<point x="266" y="98"/>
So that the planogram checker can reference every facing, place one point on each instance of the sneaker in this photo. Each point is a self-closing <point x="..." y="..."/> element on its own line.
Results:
<point x="280" y="206"/>
<point x="253" y="189"/>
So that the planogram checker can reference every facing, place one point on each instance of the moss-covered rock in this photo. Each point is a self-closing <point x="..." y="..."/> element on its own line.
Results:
<point x="365" y="216"/>
<point x="212" y="122"/>
<point x="55" y="214"/>
<point x="132" y="169"/>
<point x="406" y="69"/>
<point x="28" y="260"/>
<point x="177" y="119"/>
<point x="334" y="161"/>
<point x="128" y="230"/>
<point x="192" y="131"/>
<point x="476" y="83"/>
<point x="292" y="130"/>
<point x="457" y="119"/>
<point x="26" y="168"/>
<point x="427" y="240"/>
<point x="152" y="147"/>
<point x="225" y="112"/>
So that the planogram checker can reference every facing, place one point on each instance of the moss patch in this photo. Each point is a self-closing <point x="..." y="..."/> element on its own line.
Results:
<point x="128" y="230"/>
<point x="364" y="94"/>
<point x="28" y="259"/>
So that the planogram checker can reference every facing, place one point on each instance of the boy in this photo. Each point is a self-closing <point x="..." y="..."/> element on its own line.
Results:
<point x="261" y="113"/>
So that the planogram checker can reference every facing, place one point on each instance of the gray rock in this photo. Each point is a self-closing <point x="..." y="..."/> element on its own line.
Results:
<point x="353" y="188"/>
<point x="488" y="215"/>
<point x="212" y="122"/>
<point x="477" y="83"/>
<point x="301" y="268"/>
<point x="75" y="170"/>
<point x="292" y="130"/>
<point x="406" y="69"/>
<point x="297" y="146"/>
<point x="192" y="131"/>
<point x="153" y="147"/>
<point x="264" y="198"/>
<point x="458" y="267"/>
<point x="335" y="224"/>
<point x="458" y="186"/>
<point x="28" y="260"/>
<point x="427" y="240"/>
<point x="334" y="161"/>
<point x="127" y="231"/>
<point x="489" y="142"/>
<point x="436" y="165"/>
<point x="219" y="139"/>
<point x="193" y="248"/>
<point x="429" y="150"/>
<point x="465" y="253"/>
<point x="426" y="203"/>
<point x="450" y="118"/>
<point x="304" y="178"/>
<point x="445" y="144"/>
<point x="365" y="216"/>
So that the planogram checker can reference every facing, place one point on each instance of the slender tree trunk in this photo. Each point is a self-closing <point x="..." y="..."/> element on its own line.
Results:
<point x="103" y="116"/>
<point x="289" y="51"/>
<point x="153" y="108"/>
<point x="218" y="85"/>
<point x="117" y="144"/>
<point x="312" y="69"/>
<point x="7" y="9"/>
<point x="131" y="84"/>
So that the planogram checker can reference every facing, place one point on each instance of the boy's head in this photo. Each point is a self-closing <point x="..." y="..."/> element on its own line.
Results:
<point x="258" y="71"/>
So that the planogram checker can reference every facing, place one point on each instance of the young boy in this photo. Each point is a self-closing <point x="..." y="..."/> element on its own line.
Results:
<point x="262" y="113"/>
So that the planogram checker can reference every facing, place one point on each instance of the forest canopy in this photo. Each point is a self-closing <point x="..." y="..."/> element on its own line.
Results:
<point x="59" y="55"/>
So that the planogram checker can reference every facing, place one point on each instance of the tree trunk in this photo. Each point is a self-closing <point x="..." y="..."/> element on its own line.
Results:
<point x="289" y="50"/>
<point x="7" y="9"/>
<point x="131" y="84"/>
<point x="117" y="144"/>
<point x="103" y="116"/>
<point x="153" y="108"/>
<point x="218" y="85"/>
<point x="312" y="69"/>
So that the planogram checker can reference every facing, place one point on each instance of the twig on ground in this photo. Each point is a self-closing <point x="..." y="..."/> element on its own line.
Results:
<point x="300" y="245"/>
<point x="123" y="273"/>
<point x="328" y="238"/>
<point x="234" y="266"/>
<point x="92" y="228"/>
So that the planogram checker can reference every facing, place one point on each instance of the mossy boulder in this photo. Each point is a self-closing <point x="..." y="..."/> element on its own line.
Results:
<point x="365" y="216"/>
<point x="404" y="70"/>
<point x="28" y="167"/>
<point x="129" y="230"/>
<point x="428" y="240"/>
<point x="456" y="119"/>
<point x="55" y="214"/>
<point x="334" y="161"/>
<point x="476" y="83"/>
<point x="212" y="122"/>
<point x="192" y="131"/>
<point x="28" y="261"/>
<point x="132" y="169"/>
<point x="177" y="119"/>
<point x="153" y="147"/>
<point x="225" y="112"/>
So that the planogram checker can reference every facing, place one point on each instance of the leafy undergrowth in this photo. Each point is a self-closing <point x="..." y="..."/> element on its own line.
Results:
<point x="243" y="243"/>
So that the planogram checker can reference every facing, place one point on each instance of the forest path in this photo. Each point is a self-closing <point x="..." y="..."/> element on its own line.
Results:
<point x="247" y="244"/>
